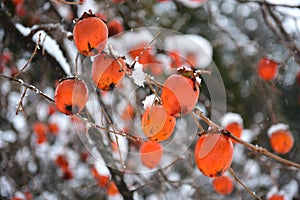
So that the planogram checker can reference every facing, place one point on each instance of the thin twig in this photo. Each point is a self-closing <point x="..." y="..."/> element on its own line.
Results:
<point x="242" y="184"/>
<point x="28" y="86"/>
<point x="145" y="49"/>
<point x="31" y="57"/>
<point x="261" y="150"/>
<point x="20" y="104"/>
<point x="255" y="148"/>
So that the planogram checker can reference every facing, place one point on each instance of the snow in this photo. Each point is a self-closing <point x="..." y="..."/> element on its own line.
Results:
<point x="192" y="3"/>
<point x="252" y="168"/>
<point x="101" y="168"/>
<point x="284" y="2"/>
<point x="148" y="101"/>
<point x="231" y="117"/>
<point x="6" y="186"/>
<point x="164" y="7"/>
<point x="291" y="189"/>
<point x="191" y="44"/>
<point x="49" y="44"/>
<point x="138" y="75"/>
<point x="277" y="127"/>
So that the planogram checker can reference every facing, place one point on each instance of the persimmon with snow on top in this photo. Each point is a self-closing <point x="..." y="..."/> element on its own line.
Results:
<point x="90" y="34"/>
<point x="151" y="154"/>
<point x="71" y="95"/>
<point x="233" y="123"/>
<point x="107" y="72"/>
<point x="281" y="139"/>
<point x="157" y="124"/>
<point x="179" y="95"/>
<point x="213" y="154"/>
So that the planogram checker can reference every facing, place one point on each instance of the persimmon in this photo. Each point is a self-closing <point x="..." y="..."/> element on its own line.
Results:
<point x="267" y="69"/>
<point x="223" y="185"/>
<point x="276" y="197"/>
<point x="62" y="162"/>
<point x="90" y="34"/>
<point x="281" y="139"/>
<point x="128" y="112"/>
<point x="157" y="124"/>
<point x="71" y="96"/>
<point x="40" y="129"/>
<point x="176" y="59"/>
<point x="107" y="72"/>
<point x="103" y="180"/>
<point x="112" y="189"/>
<point x="235" y="128"/>
<point x="147" y="56"/>
<point x="53" y="128"/>
<point x="179" y="95"/>
<point x="115" y="27"/>
<point x="151" y="154"/>
<point x="213" y="154"/>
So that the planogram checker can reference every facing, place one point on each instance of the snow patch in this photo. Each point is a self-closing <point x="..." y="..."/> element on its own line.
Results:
<point x="149" y="101"/>
<point x="277" y="127"/>
<point x="230" y="117"/>
<point x="191" y="44"/>
<point x="138" y="75"/>
<point x="49" y="44"/>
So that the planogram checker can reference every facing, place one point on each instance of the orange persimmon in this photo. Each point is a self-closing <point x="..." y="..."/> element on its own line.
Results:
<point x="157" y="124"/>
<point x="40" y="129"/>
<point x="90" y="34"/>
<point x="267" y="69"/>
<point x="213" y="154"/>
<point x="71" y="96"/>
<point x="179" y="95"/>
<point x="151" y="154"/>
<point x="223" y="185"/>
<point x="235" y="128"/>
<point x="103" y="180"/>
<point x="107" y="72"/>
<point x="115" y="27"/>
<point x="276" y="197"/>
<point x="282" y="141"/>
<point x="112" y="189"/>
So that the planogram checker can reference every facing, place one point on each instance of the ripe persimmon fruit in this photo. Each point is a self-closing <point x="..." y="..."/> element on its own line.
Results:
<point x="40" y="129"/>
<point x="267" y="69"/>
<point x="151" y="154"/>
<point x="179" y="95"/>
<point x="115" y="27"/>
<point x="71" y="96"/>
<point x="235" y="128"/>
<point x="112" y="189"/>
<point x="157" y="124"/>
<point x="213" y="154"/>
<point x="103" y="180"/>
<point x="276" y="197"/>
<point x="90" y="34"/>
<point x="107" y="72"/>
<point x="223" y="185"/>
<point x="282" y="141"/>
